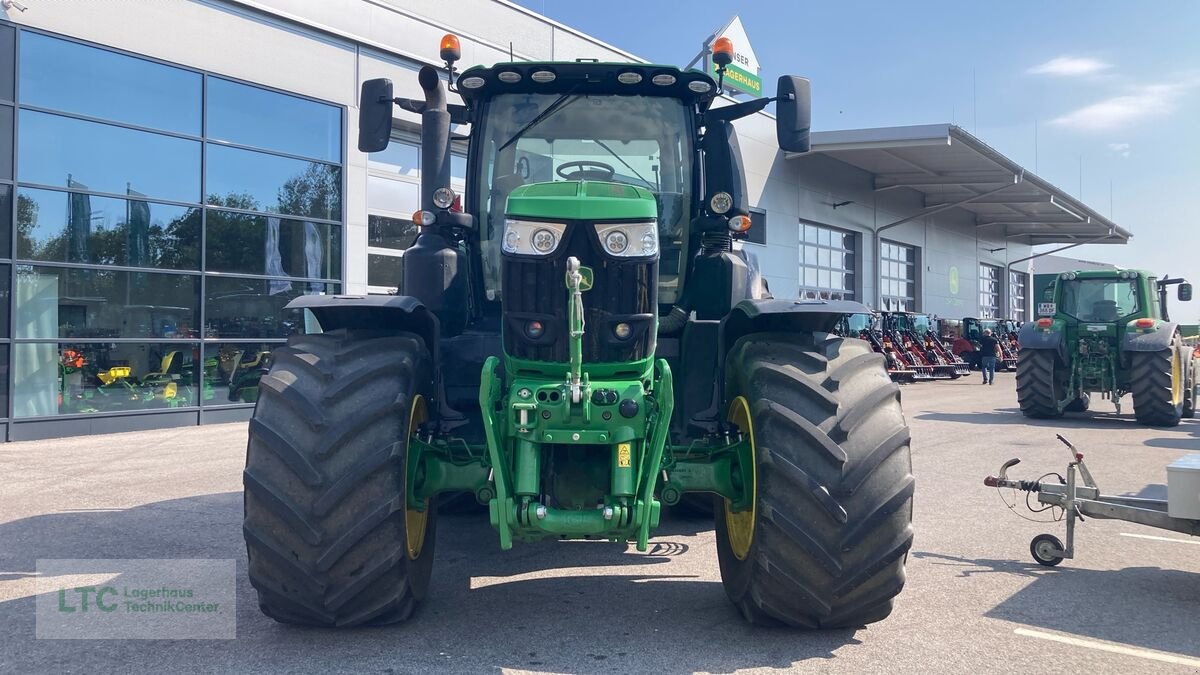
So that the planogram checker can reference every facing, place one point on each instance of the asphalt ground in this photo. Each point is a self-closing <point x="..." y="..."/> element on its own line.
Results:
<point x="974" y="601"/>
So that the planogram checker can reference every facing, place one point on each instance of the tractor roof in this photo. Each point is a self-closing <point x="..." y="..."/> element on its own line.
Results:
<point x="587" y="77"/>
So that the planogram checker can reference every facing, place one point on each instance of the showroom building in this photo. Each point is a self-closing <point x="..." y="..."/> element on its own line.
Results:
<point x="172" y="173"/>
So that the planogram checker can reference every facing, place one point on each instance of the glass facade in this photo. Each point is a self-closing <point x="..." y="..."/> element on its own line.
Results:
<point x="827" y="262"/>
<point x="989" y="291"/>
<point x="1018" y="305"/>
<point x="898" y="265"/>
<point x="154" y="224"/>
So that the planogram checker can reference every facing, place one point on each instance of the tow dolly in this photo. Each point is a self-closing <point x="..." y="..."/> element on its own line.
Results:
<point x="1078" y="497"/>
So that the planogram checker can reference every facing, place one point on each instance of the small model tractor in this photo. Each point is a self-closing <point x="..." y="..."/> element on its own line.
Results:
<point x="577" y="341"/>
<point x="1107" y="333"/>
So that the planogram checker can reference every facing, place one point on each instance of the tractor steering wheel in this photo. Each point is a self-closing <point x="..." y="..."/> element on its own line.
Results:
<point x="586" y="169"/>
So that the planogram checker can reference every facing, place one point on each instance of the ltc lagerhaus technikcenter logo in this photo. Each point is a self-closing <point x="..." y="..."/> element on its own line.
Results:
<point x="136" y="599"/>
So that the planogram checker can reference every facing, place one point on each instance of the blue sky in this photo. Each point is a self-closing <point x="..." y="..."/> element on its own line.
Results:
<point x="1114" y="83"/>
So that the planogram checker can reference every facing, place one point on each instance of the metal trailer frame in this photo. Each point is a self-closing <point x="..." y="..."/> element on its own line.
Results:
<point x="1079" y="497"/>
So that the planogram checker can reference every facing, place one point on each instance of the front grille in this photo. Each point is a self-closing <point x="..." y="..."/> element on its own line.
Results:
<point x="624" y="291"/>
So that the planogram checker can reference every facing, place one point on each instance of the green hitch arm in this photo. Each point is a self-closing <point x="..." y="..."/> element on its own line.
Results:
<point x="664" y="397"/>
<point x="575" y="326"/>
<point x="488" y="395"/>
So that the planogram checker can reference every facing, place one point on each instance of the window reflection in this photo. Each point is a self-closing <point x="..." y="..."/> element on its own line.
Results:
<point x="6" y="192"/>
<point x="254" y="308"/>
<point x="55" y="302"/>
<point x="76" y="78"/>
<point x="4" y="380"/>
<point x="65" y="379"/>
<point x="71" y="153"/>
<point x="8" y="42"/>
<point x="6" y="141"/>
<point x="73" y="227"/>
<point x="256" y="117"/>
<point x="390" y="232"/>
<point x="385" y="271"/>
<point x="393" y="195"/>
<point x="255" y="181"/>
<point x="399" y="157"/>
<point x="234" y="369"/>
<point x="274" y="246"/>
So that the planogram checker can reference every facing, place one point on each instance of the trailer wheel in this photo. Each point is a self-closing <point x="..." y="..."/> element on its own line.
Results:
<point x="1041" y="383"/>
<point x="1046" y="550"/>
<point x="825" y="542"/>
<point x="330" y="538"/>
<point x="1158" y="382"/>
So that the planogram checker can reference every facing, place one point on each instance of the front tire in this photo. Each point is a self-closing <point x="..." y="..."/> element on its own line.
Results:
<point x="1157" y="380"/>
<point x="826" y="541"/>
<point x="329" y="537"/>
<point x="1041" y="383"/>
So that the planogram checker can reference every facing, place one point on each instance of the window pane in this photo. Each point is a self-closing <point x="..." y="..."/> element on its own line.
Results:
<point x="232" y="371"/>
<point x="274" y="246"/>
<point x="6" y="141"/>
<point x="810" y="255"/>
<point x="385" y="270"/>
<point x="79" y="303"/>
<point x="810" y="277"/>
<point x="5" y="296"/>
<point x="823" y="278"/>
<point x="823" y="236"/>
<point x="255" y="181"/>
<point x="76" y="78"/>
<point x="810" y="234"/>
<point x="8" y="42"/>
<point x="253" y="308"/>
<point x="392" y="195"/>
<point x="458" y="168"/>
<point x="400" y="157"/>
<point x="6" y="217"/>
<point x="248" y="115"/>
<point x="66" y="152"/>
<point x="394" y="233"/>
<point x="73" y="227"/>
<point x="758" y="228"/>
<point x="67" y="379"/>
<point x="823" y="257"/>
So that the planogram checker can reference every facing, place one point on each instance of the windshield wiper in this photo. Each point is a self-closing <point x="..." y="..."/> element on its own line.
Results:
<point x="621" y="159"/>
<point x="558" y="103"/>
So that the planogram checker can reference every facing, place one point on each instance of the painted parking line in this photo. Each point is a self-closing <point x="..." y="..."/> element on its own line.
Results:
<point x="1112" y="648"/>
<point x="1194" y="542"/>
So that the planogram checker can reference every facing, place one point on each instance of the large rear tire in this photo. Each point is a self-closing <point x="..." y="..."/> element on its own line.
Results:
<point x="329" y="537"/>
<point x="1157" y="380"/>
<point x="826" y="541"/>
<point x="1041" y="383"/>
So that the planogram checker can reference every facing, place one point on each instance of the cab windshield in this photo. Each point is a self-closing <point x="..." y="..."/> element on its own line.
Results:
<point x="1103" y="300"/>
<point x="920" y="324"/>
<point x="637" y="140"/>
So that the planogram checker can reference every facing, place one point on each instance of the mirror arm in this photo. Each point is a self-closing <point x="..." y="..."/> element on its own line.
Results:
<point x="458" y="113"/>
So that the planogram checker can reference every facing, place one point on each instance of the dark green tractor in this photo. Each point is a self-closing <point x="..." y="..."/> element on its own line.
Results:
<point x="583" y="342"/>
<point x="1108" y="333"/>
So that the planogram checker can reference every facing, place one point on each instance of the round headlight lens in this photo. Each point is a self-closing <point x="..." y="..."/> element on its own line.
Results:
<point x="721" y="202"/>
<point x="535" y="329"/>
<point x="544" y="241"/>
<point x="622" y="331"/>
<point x="473" y="82"/>
<point x="443" y="197"/>
<point x="616" y="242"/>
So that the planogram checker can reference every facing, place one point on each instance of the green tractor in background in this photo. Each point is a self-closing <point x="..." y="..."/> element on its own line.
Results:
<point x="1107" y="332"/>
<point x="582" y="342"/>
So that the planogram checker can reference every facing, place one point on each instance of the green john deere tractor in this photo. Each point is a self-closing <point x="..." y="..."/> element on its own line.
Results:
<point x="579" y="343"/>
<point x="1106" y="332"/>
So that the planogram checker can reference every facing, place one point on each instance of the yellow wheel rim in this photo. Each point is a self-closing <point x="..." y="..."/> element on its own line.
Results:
<point x="740" y="524"/>
<point x="414" y="521"/>
<point x="1176" y="378"/>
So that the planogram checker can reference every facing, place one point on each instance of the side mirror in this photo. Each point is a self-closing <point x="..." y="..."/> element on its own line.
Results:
<point x="793" y="113"/>
<point x="375" y="115"/>
<point x="1185" y="292"/>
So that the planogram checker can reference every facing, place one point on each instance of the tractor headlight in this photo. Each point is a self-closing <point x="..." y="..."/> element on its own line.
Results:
<point x="525" y="237"/>
<point x="721" y="203"/>
<point x="629" y="240"/>
<point x="443" y="197"/>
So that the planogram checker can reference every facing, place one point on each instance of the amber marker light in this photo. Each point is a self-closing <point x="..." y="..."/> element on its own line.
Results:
<point x="722" y="51"/>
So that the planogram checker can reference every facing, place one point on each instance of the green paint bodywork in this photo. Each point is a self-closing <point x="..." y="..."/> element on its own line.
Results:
<point x="582" y="200"/>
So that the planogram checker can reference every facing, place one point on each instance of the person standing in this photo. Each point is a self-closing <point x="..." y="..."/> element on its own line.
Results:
<point x="988" y="346"/>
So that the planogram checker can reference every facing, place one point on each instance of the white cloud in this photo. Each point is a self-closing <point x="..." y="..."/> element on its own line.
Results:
<point x="1149" y="101"/>
<point x="1121" y="149"/>
<point x="1069" y="66"/>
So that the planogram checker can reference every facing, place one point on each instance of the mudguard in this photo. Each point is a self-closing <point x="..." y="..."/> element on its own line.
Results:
<point x="785" y="315"/>
<point x="1031" y="337"/>
<point x="1152" y="341"/>
<point x="372" y="312"/>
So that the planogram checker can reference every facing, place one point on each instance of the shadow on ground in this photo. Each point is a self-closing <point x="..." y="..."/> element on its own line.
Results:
<point x="529" y="608"/>
<point x="1080" y="601"/>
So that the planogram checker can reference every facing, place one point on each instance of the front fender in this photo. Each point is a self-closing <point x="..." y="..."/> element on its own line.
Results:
<point x="1031" y="336"/>
<point x="372" y="312"/>
<point x="1154" y="339"/>
<point x="789" y="316"/>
